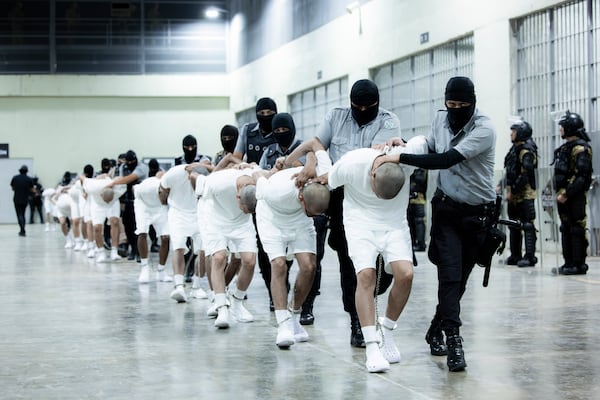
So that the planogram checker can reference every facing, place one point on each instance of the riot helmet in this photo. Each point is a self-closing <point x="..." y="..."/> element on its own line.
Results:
<point x="523" y="131"/>
<point x="573" y="125"/>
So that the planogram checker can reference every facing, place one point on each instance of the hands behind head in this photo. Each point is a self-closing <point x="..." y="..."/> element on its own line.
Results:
<point x="396" y="141"/>
<point x="383" y="158"/>
<point x="304" y="175"/>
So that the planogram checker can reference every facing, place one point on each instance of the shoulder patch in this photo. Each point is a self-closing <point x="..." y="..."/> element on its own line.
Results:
<point x="389" y="124"/>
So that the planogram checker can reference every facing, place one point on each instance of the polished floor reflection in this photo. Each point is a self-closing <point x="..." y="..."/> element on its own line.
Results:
<point x="71" y="329"/>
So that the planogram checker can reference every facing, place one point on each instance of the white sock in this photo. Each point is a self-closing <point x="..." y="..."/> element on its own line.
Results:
<point x="239" y="294"/>
<point x="144" y="262"/>
<point x="220" y="299"/>
<point x="389" y="324"/>
<point x="160" y="267"/>
<point x="178" y="279"/>
<point x="282" y="315"/>
<point x="370" y="334"/>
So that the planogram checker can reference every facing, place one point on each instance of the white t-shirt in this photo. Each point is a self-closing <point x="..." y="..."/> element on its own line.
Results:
<point x="93" y="187"/>
<point x="361" y="206"/>
<point x="220" y="194"/>
<point x="280" y="194"/>
<point x="147" y="192"/>
<point x="181" y="196"/>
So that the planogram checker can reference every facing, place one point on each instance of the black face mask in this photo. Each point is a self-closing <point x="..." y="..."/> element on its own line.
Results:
<point x="458" y="117"/>
<point x="366" y="116"/>
<point x="189" y="155"/>
<point x="228" y="143"/>
<point x="265" y="122"/>
<point x="285" y="139"/>
<point x="131" y="165"/>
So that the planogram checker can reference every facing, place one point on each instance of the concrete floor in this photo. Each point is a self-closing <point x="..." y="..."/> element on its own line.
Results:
<point x="70" y="329"/>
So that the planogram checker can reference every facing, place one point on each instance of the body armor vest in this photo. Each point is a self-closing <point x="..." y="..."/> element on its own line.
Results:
<point x="564" y="163"/>
<point x="273" y="153"/>
<point x="256" y="143"/>
<point x="514" y="167"/>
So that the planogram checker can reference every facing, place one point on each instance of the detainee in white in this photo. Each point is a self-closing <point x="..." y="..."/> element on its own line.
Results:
<point x="228" y="197"/>
<point x="285" y="226"/>
<point x="375" y="205"/>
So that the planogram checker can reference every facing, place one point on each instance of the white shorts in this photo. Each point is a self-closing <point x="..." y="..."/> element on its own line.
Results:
<point x="87" y="210"/>
<point x="279" y="242"/>
<point x="146" y="216"/>
<point x="62" y="208"/>
<point x="48" y="205"/>
<point x="365" y="245"/>
<point x="102" y="212"/>
<point x="75" y="211"/>
<point x="181" y="226"/>
<point x="239" y="240"/>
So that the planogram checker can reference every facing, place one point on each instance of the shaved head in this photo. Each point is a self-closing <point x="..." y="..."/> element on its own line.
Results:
<point x="316" y="197"/>
<point x="388" y="181"/>
<point x="107" y="195"/>
<point x="248" y="198"/>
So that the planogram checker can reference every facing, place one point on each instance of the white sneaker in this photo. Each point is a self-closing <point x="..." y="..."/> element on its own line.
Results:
<point x="179" y="294"/>
<point x="69" y="244"/>
<point x="91" y="253"/>
<point x="222" y="321"/>
<point x="162" y="276"/>
<point x="239" y="311"/>
<point x="47" y="229"/>
<point x="212" y="311"/>
<point x="300" y="334"/>
<point x="101" y="257"/>
<point x="199" y="293"/>
<point x="285" y="334"/>
<point x="144" y="274"/>
<point x="195" y="282"/>
<point x="78" y="246"/>
<point x="376" y="362"/>
<point x="389" y="350"/>
<point x="114" y="255"/>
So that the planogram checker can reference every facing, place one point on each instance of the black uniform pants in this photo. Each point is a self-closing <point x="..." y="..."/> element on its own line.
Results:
<point x="573" y="221"/>
<point x="20" y="210"/>
<point x="337" y="241"/>
<point x="130" y="226"/>
<point x="457" y="232"/>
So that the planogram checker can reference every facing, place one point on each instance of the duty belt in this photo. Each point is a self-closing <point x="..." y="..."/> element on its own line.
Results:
<point x="480" y="209"/>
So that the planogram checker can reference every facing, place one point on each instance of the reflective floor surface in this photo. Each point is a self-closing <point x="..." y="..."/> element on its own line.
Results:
<point x="71" y="329"/>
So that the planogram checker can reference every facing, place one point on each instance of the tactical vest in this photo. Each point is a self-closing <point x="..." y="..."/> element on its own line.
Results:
<point x="273" y="153"/>
<point x="564" y="163"/>
<point x="513" y="166"/>
<point x="256" y="143"/>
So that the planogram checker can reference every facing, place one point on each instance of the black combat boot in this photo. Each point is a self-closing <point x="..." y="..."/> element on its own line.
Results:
<point x="356" y="337"/>
<point x="306" y="316"/>
<point x="435" y="338"/>
<point x="456" y="355"/>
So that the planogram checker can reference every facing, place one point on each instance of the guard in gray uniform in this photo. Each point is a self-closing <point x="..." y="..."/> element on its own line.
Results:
<point x="462" y="146"/>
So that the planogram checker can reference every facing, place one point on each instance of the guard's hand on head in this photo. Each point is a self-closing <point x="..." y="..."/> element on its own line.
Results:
<point x="383" y="159"/>
<point x="304" y="175"/>
<point x="322" y="179"/>
<point x="396" y="141"/>
<point x="280" y="163"/>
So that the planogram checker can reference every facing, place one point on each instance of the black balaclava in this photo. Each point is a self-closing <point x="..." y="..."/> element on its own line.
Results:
<point x="229" y="137"/>
<point x="264" y="121"/>
<point x="131" y="160"/>
<point x="105" y="165"/>
<point x="189" y="155"/>
<point x="460" y="88"/>
<point x="284" y="139"/>
<point x="88" y="171"/>
<point x="364" y="93"/>
<point x="153" y="167"/>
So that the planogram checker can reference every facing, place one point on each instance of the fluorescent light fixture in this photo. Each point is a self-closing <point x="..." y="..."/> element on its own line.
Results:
<point x="212" y="13"/>
<point x="353" y="6"/>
